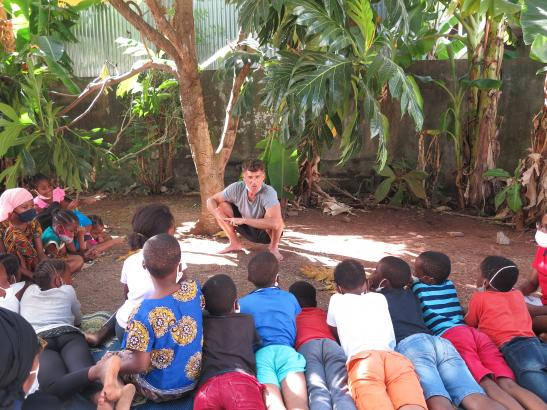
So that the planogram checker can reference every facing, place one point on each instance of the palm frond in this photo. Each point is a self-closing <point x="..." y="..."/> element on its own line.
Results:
<point x="330" y="29"/>
<point x="361" y="13"/>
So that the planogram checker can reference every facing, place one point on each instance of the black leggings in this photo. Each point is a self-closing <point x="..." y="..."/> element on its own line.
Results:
<point x="64" y="365"/>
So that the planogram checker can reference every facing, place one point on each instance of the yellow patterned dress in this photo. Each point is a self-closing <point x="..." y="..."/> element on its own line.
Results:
<point x="171" y="330"/>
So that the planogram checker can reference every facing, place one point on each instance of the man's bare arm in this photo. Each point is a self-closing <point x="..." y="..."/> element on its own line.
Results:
<point x="272" y="219"/>
<point x="214" y="201"/>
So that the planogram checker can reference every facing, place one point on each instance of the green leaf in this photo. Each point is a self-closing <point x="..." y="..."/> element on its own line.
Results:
<point x="283" y="169"/>
<point x="397" y="199"/>
<point x="361" y="13"/>
<point x="126" y="85"/>
<point x="9" y="135"/>
<point x="497" y="173"/>
<point x="331" y="33"/>
<point x="539" y="49"/>
<point x="9" y="112"/>
<point x="533" y="19"/>
<point x="63" y="75"/>
<point x="500" y="197"/>
<point x="484" y="83"/>
<point x="514" y="201"/>
<point x="497" y="8"/>
<point x="383" y="189"/>
<point x="168" y="84"/>
<point x="386" y="171"/>
<point x="51" y="47"/>
<point x="415" y="181"/>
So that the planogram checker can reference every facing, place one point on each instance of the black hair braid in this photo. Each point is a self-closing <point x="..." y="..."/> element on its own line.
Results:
<point x="46" y="270"/>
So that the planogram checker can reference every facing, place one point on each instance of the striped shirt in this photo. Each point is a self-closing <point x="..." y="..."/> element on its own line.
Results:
<point x="441" y="307"/>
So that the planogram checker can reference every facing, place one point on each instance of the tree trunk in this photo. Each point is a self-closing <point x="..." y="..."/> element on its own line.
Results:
<point x="485" y="145"/>
<point x="7" y="39"/>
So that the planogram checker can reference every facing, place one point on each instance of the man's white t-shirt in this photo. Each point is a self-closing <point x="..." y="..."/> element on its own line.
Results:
<point x="363" y="322"/>
<point x="138" y="282"/>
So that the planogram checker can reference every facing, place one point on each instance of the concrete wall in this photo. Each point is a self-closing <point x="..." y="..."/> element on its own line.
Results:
<point x="522" y="94"/>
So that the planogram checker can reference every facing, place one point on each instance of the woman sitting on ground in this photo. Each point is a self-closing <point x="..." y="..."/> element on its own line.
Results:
<point x="20" y="232"/>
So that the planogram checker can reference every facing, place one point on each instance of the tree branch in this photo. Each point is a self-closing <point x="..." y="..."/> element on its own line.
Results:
<point x="231" y="122"/>
<point x="146" y="29"/>
<point x="158" y="12"/>
<point x="108" y="81"/>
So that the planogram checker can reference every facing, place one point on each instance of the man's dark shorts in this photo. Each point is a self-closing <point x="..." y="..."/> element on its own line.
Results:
<point x="248" y="232"/>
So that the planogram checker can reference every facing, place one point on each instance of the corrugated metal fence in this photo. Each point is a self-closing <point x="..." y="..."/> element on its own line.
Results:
<point x="99" y="27"/>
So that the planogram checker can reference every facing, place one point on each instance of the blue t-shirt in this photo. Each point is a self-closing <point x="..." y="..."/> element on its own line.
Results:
<point x="50" y="237"/>
<point x="441" y="307"/>
<point x="171" y="328"/>
<point x="274" y="311"/>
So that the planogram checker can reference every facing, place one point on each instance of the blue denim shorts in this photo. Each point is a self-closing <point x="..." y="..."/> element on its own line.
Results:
<point x="440" y="368"/>
<point x="275" y="362"/>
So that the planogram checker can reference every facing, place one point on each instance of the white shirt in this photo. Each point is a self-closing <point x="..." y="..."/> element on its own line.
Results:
<point x="363" y="322"/>
<point x="138" y="282"/>
<point x="48" y="309"/>
<point x="10" y="301"/>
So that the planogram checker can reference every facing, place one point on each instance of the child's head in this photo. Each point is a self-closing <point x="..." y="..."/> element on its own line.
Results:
<point x="262" y="269"/>
<point x="41" y="185"/>
<point x="220" y="295"/>
<point x="148" y="221"/>
<point x="432" y="267"/>
<point x="161" y="255"/>
<point x="49" y="274"/>
<point x="65" y="224"/>
<point x="97" y="225"/>
<point x="392" y="272"/>
<point x="305" y="294"/>
<point x="9" y="268"/>
<point x="541" y="231"/>
<point x="498" y="273"/>
<point x="350" y="276"/>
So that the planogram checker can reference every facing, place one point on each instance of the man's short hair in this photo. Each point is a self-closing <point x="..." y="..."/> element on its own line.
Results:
<point x="220" y="294"/>
<point x="395" y="270"/>
<point x="161" y="255"/>
<point x="253" y="165"/>
<point x="502" y="273"/>
<point x="350" y="274"/>
<point x="305" y="293"/>
<point x="262" y="269"/>
<point x="436" y="265"/>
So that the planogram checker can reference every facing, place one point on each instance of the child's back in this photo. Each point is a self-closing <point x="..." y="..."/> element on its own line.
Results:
<point x="171" y="329"/>
<point x="378" y="377"/>
<point x="274" y="312"/>
<point x="279" y="367"/>
<point x="326" y="373"/>
<point x="501" y="313"/>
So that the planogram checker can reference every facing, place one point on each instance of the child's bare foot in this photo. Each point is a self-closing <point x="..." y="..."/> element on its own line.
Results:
<point x="125" y="400"/>
<point x="103" y="403"/>
<point x="232" y="247"/>
<point x="112" y="387"/>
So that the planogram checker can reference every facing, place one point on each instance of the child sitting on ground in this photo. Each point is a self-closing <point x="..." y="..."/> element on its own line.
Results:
<point x="10" y="290"/>
<point x="49" y="199"/>
<point x="228" y="376"/>
<point x="63" y="239"/>
<point x="97" y="240"/>
<point x="443" y="375"/>
<point x="20" y="232"/>
<point x="67" y="367"/>
<point x="148" y="221"/>
<point x="443" y="314"/>
<point x="164" y="336"/>
<point x="278" y="365"/>
<point x="326" y="374"/>
<point x="501" y="313"/>
<point x="378" y="377"/>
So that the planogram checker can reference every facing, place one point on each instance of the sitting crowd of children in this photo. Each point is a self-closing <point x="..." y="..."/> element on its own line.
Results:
<point x="387" y="341"/>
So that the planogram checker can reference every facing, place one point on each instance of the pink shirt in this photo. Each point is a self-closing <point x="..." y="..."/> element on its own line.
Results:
<point x="58" y="196"/>
<point x="540" y="264"/>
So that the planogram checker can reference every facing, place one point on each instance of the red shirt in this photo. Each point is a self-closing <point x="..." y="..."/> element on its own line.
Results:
<point x="501" y="315"/>
<point x="311" y="324"/>
<point x="540" y="264"/>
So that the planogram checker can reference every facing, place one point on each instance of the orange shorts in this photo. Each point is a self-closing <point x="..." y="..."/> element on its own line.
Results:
<point x="383" y="380"/>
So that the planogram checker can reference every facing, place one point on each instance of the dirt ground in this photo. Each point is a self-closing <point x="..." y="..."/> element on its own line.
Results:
<point x="311" y="238"/>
